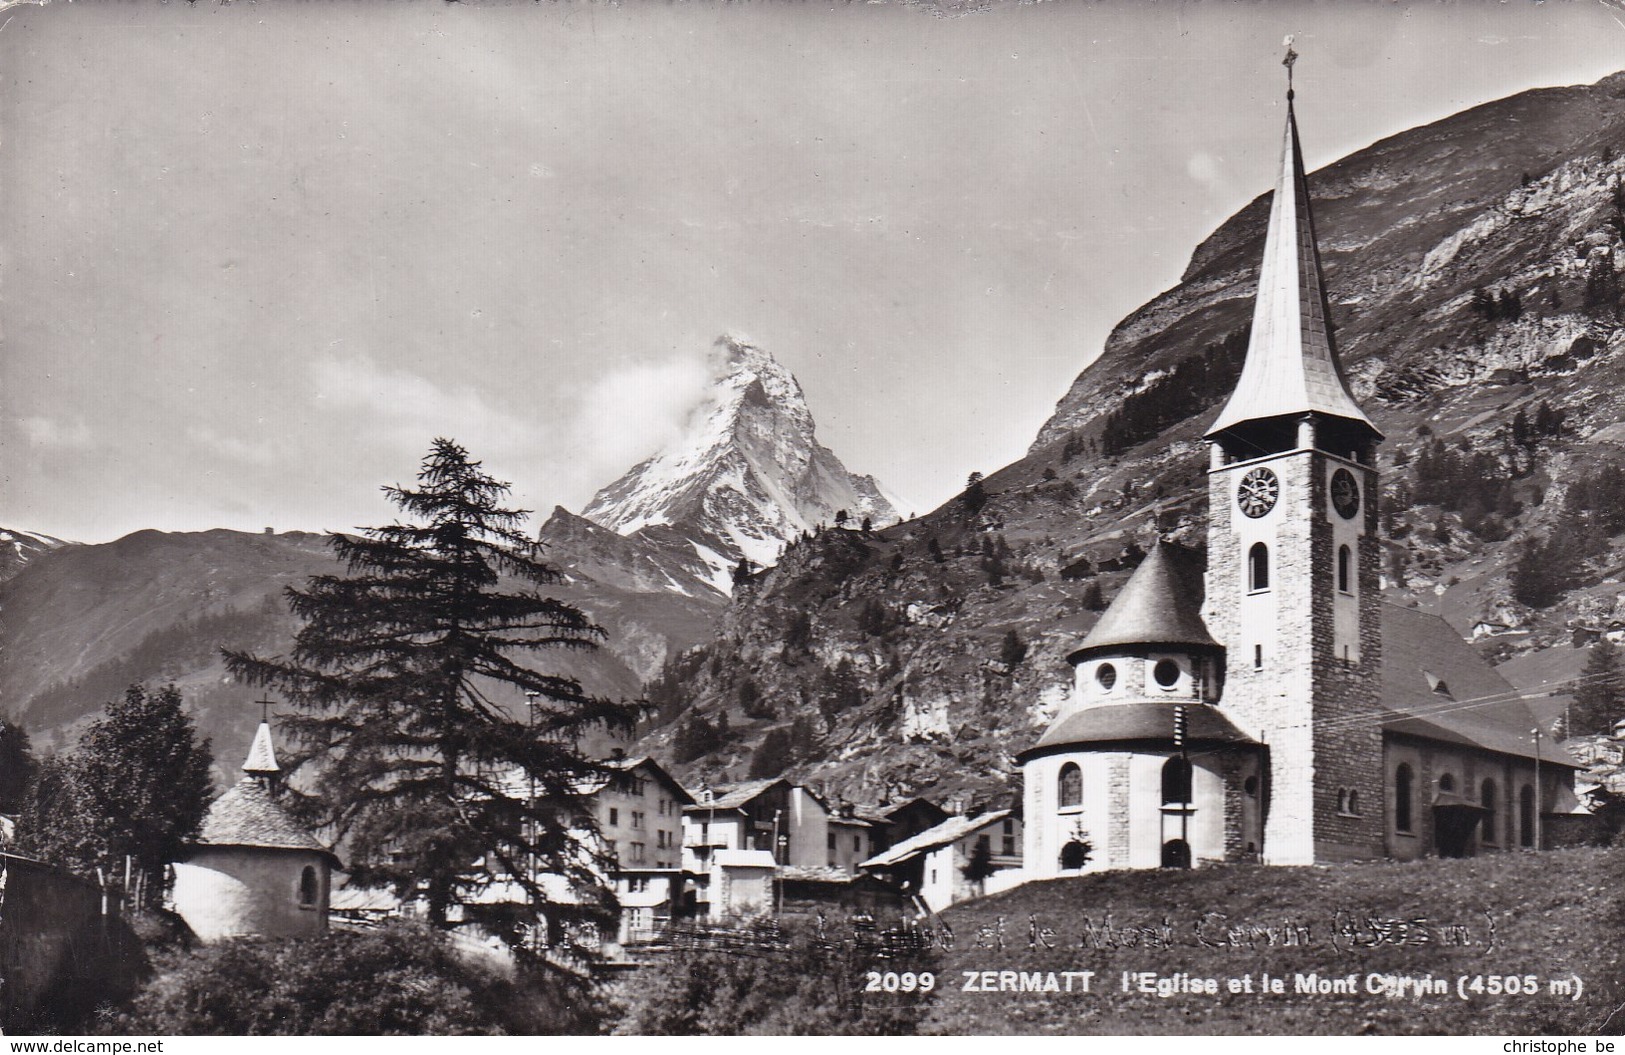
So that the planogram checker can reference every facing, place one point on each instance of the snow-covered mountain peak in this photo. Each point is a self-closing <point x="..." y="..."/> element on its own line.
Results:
<point x="746" y="475"/>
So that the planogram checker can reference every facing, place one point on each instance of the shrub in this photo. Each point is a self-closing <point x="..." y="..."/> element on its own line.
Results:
<point x="400" y="980"/>
<point x="772" y="981"/>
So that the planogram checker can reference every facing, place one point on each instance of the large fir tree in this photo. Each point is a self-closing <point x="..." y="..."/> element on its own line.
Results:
<point x="450" y="766"/>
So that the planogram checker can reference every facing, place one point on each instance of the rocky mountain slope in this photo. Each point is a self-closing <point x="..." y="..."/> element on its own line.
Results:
<point x="747" y="476"/>
<point x="79" y="623"/>
<point x="17" y="548"/>
<point x="1472" y="265"/>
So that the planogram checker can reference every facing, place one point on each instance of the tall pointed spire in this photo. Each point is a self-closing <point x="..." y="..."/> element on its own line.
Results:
<point x="261" y="760"/>
<point x="1292" y="367"/>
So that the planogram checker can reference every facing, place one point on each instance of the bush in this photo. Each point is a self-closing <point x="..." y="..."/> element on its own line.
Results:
<point x="771" y="981"/>
<point x="400" y="980"/>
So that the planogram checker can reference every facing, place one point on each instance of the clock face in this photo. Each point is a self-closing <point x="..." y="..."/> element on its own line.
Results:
<point x="1345" y="494"/>
<point x="1258" y="491"/>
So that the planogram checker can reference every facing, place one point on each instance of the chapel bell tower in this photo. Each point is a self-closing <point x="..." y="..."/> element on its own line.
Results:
<point x="1292" y="579"/>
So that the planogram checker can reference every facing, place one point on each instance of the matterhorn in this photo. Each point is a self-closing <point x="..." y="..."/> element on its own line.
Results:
<point x="745" y="477"/>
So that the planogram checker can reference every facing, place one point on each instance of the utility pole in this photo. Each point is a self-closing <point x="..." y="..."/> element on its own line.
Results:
<point x="530" y="799"/>
<point x="1538" y="796"/>
<point x="1185" y="766"/>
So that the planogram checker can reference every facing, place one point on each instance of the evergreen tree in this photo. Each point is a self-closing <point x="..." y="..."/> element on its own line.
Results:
<point x="873" y="619"/>
<point x="750" y="700"/>
<point x="979" y="866"/>
<point x="1012" y="650"/>
<point x="695" y="738"/>
<point x="136" y="786"/>
<point x="1093" y="599"/>
<point x="975" y="495"/>
<point x="16" y="766"/>
<point x="934" y="548"/>
<point x="798" y="634"/>
<point x="1599" y="698"/>
<point x="742" y="573"/>
<point x="840" y="518"/>
<point x="839" y="691"/>
<point x="773" y="756"/>
<point x="411" y="695"/>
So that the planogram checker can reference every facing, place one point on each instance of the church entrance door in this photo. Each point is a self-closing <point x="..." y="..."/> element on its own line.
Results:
<point x="1453" y="828"/>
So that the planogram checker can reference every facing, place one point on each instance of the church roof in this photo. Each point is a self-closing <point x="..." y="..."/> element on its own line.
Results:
<point x="1292" y="366"/>
<point x="1146" y="720"/>
<point x="1436" y="686"/>
<point x="249" y="815"/>
<point x="1161" y="604"/>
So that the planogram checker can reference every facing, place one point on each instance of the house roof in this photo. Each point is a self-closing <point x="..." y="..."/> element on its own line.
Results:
<point x="735" y="796"/>
<point x="949" y="831"/>
<point x="632" y="763"/>
<point x="1161" y="604"/>
<point x="248" y="815"/>
<point x="1145" y="720"/>
<point x="743" y="859"/>
<point x="1435" y="686"/>
<point x="1292" y="366"/>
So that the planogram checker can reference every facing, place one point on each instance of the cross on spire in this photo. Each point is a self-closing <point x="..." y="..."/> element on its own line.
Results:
<point x="1292" y="367"/>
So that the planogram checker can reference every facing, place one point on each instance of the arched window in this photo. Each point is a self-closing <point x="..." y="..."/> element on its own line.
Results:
<point x="1342" y="800"/>
<point x="1074" y="854"/>
<point x="1176" y="782"/>
<point x="1404" y="786"/>
<point x="1176" y="853"/>
<point x="1258" y="567"/>
<point x="1487" y="799"/>
<point x="1447" y="783"/>
<point x="309" y="887"/>
<point x="1343" y="563"/>
<point x="1526" y="817"/>
<point x="1070" y="786"/>
<point x="1354" y="802"/>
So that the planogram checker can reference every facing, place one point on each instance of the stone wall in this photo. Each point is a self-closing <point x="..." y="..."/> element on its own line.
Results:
<point x="60" y="956"/>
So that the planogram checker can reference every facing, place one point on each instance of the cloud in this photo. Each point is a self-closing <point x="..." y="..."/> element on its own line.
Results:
<point x="633" y="411"/>
<point x="400" y="409"/>
<point x="263" y="452"/>
<point x="51" y="434"/>
<point x="1205" y="169"/>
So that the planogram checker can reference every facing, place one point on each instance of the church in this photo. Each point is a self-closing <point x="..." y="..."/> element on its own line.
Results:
<point x="1270" y="706"/>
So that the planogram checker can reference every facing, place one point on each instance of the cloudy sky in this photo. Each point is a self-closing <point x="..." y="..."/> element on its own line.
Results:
<point x="254" y="256"/>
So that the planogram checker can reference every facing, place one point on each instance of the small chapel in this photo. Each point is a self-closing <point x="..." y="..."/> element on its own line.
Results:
<point x="254" y="870"/>
<point x="1268" y="705"/>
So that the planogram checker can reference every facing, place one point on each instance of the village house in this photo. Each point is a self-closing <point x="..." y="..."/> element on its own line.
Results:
<point x="964" y="856"/>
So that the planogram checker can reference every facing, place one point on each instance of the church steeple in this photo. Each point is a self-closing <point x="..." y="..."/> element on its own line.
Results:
<point x="261" y="762"/>
<point x="1292" y="369"/>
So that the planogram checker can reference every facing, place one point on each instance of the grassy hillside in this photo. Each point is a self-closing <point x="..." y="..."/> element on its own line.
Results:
<point x="1556" y="915"/>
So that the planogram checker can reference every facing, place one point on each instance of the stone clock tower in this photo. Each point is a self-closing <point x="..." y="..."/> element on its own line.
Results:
<point x="1292" y="578"/>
